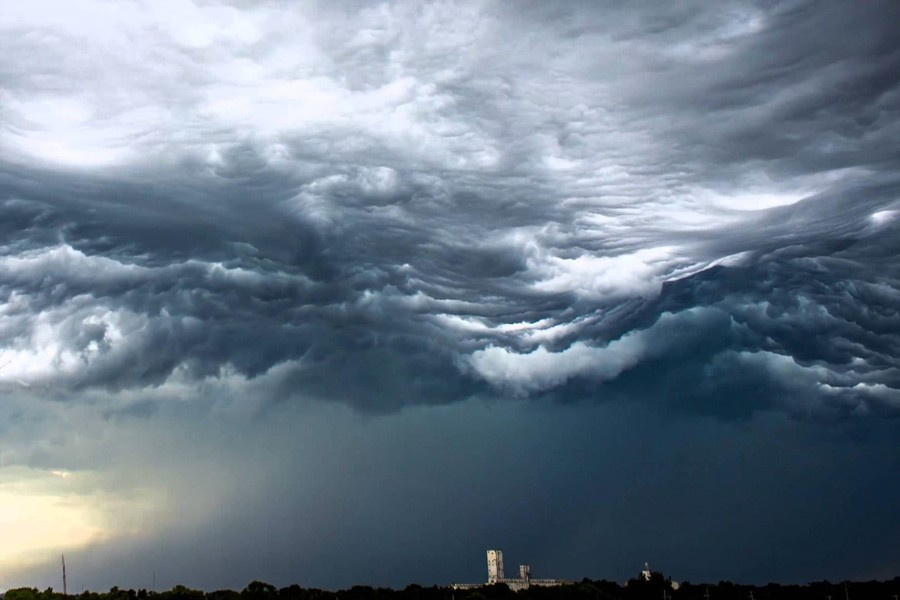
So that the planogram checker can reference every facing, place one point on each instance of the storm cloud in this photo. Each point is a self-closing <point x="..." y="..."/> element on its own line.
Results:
<point x="228" y="209"/>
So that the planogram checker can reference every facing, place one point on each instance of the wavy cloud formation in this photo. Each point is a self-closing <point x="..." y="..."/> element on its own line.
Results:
<point x="395" y="204"/>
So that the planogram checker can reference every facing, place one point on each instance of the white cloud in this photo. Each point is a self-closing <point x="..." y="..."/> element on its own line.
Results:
<point x="539" y="370"/>
<point x="640" y="273"/>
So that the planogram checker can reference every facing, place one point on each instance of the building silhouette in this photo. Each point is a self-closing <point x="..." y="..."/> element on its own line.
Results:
<point x="496" y="575"/>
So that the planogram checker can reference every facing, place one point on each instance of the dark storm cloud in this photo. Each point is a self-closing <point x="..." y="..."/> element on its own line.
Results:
<point x="388" y="276"/>
<point x="345" y="313"/>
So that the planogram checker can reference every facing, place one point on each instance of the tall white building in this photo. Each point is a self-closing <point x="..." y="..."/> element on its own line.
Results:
<point x="495" y="565"/>
<point x="496" y="575"/>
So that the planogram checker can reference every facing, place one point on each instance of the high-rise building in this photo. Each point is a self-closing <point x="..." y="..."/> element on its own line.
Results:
<point x="495" y="565"/>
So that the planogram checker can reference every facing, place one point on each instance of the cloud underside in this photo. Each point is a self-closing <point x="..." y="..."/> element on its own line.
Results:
<point x="689" y="207"/>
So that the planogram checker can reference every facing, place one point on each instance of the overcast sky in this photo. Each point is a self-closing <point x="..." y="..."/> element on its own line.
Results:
<point x="344" y="293"/>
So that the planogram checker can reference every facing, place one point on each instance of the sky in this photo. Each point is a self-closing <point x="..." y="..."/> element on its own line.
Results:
<point x="338" y="293"/>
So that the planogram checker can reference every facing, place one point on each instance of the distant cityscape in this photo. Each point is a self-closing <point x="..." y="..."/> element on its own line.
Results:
<point x="645" y="585"/>
<point x="496" y="574"/>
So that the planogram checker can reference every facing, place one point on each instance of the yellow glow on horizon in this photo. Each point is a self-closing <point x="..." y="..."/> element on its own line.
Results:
<point x="40" y="518"/>
<point x="45" y="513"/>
<point x="32" y="523"/>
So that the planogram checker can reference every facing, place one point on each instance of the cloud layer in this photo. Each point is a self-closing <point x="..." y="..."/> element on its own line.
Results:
<point x="405" y="197"/>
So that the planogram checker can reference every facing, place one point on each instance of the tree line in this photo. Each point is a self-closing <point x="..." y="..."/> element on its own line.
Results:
<point x="656" y="588"/>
